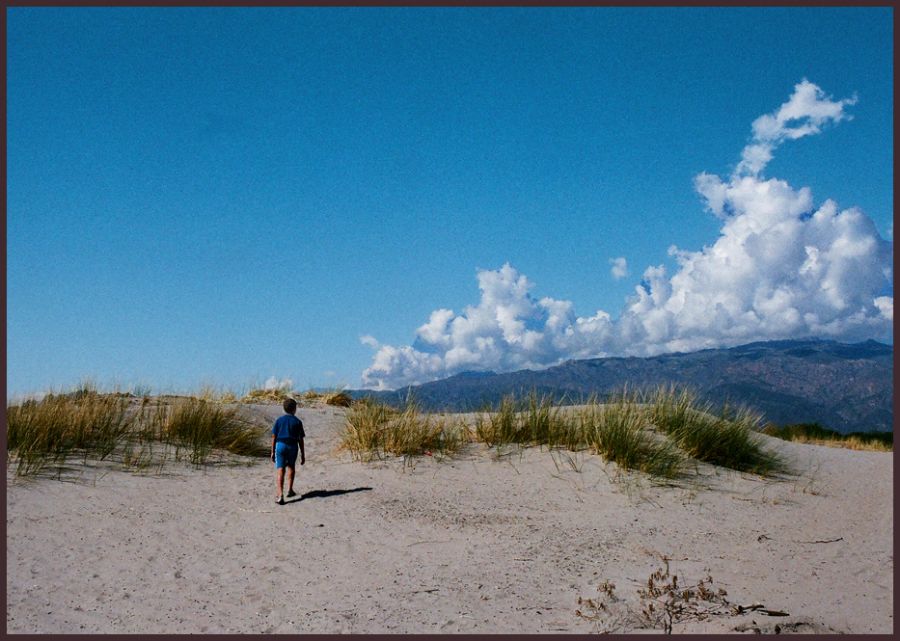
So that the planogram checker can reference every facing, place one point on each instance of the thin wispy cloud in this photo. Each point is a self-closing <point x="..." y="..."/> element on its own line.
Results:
<point x="781" y="267"/>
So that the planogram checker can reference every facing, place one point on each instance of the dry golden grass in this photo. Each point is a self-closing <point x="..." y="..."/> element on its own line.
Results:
<point x="46" y="433"/>
<point x="374" y="430"/>
<point x="265" y="396"/>
<point x="340" y="399"/>
<point x="815" y="434"/>
<point x="850" y="443"/>
<point x="654" y="435"/>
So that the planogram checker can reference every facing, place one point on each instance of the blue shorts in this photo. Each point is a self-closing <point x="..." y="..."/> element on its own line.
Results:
<point x="286" y="454"/>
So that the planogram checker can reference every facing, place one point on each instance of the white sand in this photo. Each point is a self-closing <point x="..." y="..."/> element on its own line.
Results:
<point x="463" y="545"/>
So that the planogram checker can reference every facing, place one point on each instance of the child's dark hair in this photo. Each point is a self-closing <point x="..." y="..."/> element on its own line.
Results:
<point x="289" y="405"/>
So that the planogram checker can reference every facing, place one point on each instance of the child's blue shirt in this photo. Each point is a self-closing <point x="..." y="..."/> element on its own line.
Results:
<point x="288" y="429"/>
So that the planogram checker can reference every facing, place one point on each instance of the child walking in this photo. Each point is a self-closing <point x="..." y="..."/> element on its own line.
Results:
<point x="287" y="439"/>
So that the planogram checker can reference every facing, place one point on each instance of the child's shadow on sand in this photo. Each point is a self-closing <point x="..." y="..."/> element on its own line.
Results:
<point x="321" y="494"/>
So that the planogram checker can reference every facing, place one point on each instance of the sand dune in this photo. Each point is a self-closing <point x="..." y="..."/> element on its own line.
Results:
<point x="471" y="544"/>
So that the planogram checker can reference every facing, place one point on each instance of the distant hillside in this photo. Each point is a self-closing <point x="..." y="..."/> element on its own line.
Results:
<point x="845" y="387"/>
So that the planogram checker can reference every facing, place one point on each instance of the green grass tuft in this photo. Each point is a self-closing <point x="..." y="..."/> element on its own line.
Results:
<point x="619" y="431"/>
<point x="499" y="427"/>
<point x="728" y="439"/>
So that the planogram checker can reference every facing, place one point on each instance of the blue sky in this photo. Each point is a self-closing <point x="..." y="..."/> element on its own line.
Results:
<point x="220" y="196"/>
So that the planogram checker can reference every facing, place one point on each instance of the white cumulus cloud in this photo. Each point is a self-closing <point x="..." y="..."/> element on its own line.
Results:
<point x="805" y="113"/>
<point x="508" y="329"/>
<point x="273" y="383"/>
<point x="369" y="341"/>
<point x="781" y="267"/>
<point x="619" y="267"/>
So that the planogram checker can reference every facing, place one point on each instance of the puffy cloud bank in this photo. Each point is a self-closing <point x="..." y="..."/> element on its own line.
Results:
<point x="781" y="267"/>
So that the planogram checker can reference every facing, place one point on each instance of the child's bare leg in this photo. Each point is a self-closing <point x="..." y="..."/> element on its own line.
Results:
<point x="279" y="481"/>
<point x="290" y="475"/>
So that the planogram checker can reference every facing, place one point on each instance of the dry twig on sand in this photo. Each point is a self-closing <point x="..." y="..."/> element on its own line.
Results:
<point x="664" y="602"/>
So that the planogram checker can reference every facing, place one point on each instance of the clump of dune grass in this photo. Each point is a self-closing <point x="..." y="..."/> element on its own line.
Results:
<point x="728" y="438"/>
<point x="652" y="436"/>
<point x="534" y="420"/>
<point x="374" y="430"/>
<point x="87" y="387"/>
<point x="815" y="434"/>
<point x="147" y="443"/>
<point x="363" y="433"/>
<point x="208" y="393"/>
<point x="58" y="426"/>
<point x="216" y="394"/>
<point x="312" y="395"/>
<point x="339" y="399"/>
<point x="195" y="425"/>
<point x="850" y="443"/>
<point x="499" y="427"/>
<point x="619" y="431"/>
<point x="265" y="396"/>
<point x="201" y="426"/>
<point x="542" y="422"/>
<point x="47" y="432"/>
<point x="412" y="432"/>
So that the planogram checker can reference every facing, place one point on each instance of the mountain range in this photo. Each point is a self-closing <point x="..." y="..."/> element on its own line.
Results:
<point x="843" y="387"/>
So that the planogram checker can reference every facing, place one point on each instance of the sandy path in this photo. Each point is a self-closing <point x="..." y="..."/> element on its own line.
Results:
<point x="466" y="545"/>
